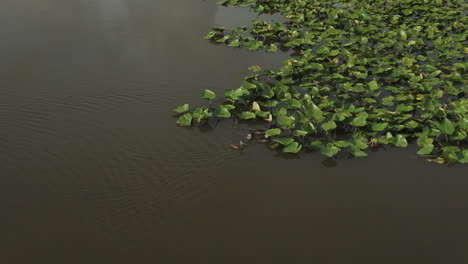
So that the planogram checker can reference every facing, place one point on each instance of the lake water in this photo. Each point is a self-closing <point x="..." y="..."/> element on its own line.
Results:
<point x="93" y="168"/>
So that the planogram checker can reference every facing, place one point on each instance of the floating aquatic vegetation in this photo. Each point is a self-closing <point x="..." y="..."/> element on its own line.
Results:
<point x="362" y="74"/>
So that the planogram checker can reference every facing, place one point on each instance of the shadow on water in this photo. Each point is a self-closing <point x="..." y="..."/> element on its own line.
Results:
<point x="94" y="170"/>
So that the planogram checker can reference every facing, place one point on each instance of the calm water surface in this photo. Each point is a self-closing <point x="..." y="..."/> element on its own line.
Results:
<point x="93" y="168"/>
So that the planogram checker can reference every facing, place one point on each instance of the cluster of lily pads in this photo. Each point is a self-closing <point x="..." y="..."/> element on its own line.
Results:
<point x="361" y="74"/>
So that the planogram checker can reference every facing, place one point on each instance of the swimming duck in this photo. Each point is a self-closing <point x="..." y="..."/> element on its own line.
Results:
<point x="259" y="132"/>
<point x="241" y="145"/>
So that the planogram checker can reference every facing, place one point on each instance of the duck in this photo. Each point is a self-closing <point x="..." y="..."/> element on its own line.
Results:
<point x="259" y="132"/>
<point x="241" y="145"/>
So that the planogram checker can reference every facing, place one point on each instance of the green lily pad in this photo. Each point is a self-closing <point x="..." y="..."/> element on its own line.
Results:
<point x="272" y="48"/>
<point x="330" y="150"/>
<point x="293" y="147"/>
<point x="447" y="126"/>
<point x="185" y="120"/>
<point x="182" y="109"/>
<point x="357" y="152"/>
<point x="400" y="141"/>
<point x="373" y="85"/>
<point x="359" y="121"/>
<point x="426" y="149"/>
<point x="283" y="140"/>
<point x="255" y="107"/>
<point x="209" y="95"/>
<point x="223" y="112"/>
<point x="300" y="133"/>
<point x="285" y="121"/>
<point x="380" y="126"/>
<point x="247" y="115"/>
<point x="330" y="125"/>
<point x="464" y="158"/>
<point x="272" y="132"/>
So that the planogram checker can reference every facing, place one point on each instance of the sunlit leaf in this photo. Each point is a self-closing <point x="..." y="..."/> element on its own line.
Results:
<point x="255" y="106"/>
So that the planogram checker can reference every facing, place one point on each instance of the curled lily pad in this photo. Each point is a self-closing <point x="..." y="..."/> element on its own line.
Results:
<point x="209" y="95"/>
<point x="285" y="121"/>
<point x="464" y="158"/>
<point x="272" y="132"/>
<point x="262" y="114"/>
<point x="234" y="43"/>
<point x="283" y="140"/>
<point x="400" y="141"/>
<point x="379" y="126"/>
<point x="357" y="152"/>
<point x="254" y="45"/>
<point x="426" y="149"/>
<point x="255" y="107"/>
<point x="210" y="35"/>
<point x="247" y="115"/>
<point x="359" y="121"/>
<point x="228" y="107"/>
<point x="300" y="133"/>
<point x="330" y="149"/>
<point x="373" y="85"/>
<point x="223" y="112"/>
<point x="330" y="125"/>
<point x="201" y="113"/>
<point x="182" y="109"/>
<point x="185" y="120"/>
<point x="272" y="48"/>
<point x="293" y="147"/>
<point x="447" y="126"/>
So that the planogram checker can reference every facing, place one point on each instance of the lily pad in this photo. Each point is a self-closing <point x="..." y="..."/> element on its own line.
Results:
<point x="330" y="125"/>
<point x="447" y="126"/>
<point x="182" y="109"/>
<point x="223" y="112"/>
<point x="185" y="120"/>
<point x="283" y="140"/>
<point x="209" y="95"/>
<point x="330" y="150"/>
<point x="272" y="132"/>
<point x="247" y="115"/>
<point x="400" y="141"/>
<point x="293" y="147"/>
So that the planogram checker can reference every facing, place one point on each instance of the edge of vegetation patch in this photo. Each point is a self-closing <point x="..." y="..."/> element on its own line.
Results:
<point x="362" y="74"/>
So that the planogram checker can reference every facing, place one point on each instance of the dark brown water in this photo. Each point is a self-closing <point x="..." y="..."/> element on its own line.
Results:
<point x="93" y="168"/>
